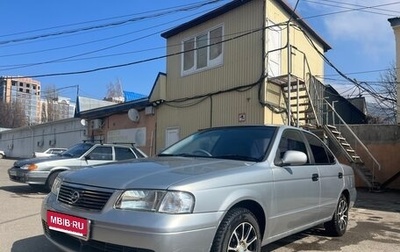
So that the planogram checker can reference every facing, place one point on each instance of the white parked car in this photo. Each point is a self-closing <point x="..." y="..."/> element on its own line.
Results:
<point x="49" y="152"/>
<point x="42" y="171"/>
<point x="2" y="154"/>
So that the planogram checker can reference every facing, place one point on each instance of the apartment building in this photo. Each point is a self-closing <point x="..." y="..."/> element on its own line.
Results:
<point x="24" y="90"/>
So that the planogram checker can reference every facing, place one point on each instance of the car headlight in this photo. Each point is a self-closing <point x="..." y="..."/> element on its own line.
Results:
<point x="156" y="201"/>
<point x="29" y="167"/>
<point x="55" y="189"/>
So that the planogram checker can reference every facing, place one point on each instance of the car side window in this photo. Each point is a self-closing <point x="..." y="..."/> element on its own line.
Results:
<point x="290" y="140"/>
<point x="101" y="153"/>
<point x="320" y="152"/>
<point x="122" y="153"/>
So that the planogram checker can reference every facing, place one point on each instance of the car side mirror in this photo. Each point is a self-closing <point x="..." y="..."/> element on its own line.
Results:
<point x="292" y="157"/>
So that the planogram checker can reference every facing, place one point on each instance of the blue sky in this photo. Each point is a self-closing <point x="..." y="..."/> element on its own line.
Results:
<point x="52" y="37"/>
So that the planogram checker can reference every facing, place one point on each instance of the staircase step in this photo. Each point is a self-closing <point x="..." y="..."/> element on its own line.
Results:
<point x="300" y="104"/>
<point x="300" y="97"/>
<point x="294" y="88"/>
<point x="345" y="144"/>
<point x="335" y="132"/>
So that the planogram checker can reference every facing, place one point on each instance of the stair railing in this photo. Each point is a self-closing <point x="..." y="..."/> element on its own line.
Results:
<point x="357" y="141"/>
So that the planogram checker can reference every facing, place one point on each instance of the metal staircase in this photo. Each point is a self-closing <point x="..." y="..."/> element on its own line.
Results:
<point x="297" y="94"/>
<point x="366" y="174"/>
<point x="341" y="141"/>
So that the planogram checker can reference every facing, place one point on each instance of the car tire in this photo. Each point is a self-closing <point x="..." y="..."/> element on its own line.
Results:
<point x="338" y="224"/>
<point x="50" y="180"/>
<point x="238" y="223"/>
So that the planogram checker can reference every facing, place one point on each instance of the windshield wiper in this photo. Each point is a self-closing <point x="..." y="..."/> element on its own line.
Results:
<point x="182" y="155"/>
<point x="237" y="157"/>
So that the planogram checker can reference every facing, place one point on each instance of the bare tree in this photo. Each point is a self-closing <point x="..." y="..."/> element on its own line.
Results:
<point x="386" y="107"/>
<point x="12" y="115"/>
<point x="114" y="92"/>
<point x="50" y="111"/>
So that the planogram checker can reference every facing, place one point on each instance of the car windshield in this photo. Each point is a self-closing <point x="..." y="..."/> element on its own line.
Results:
<point x="77" y="150"/>
<point x="238" y="143"/>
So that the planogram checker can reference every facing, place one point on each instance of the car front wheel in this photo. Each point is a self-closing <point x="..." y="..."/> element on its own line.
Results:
<point x="338" y="225"/>
<point x="238" y="231"/>
<point x="50" y="180"/>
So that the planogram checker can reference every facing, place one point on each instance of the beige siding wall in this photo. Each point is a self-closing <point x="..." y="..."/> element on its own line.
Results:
<point x="121" y="121"/>
<point x="242" y="65"/>
<point x="159" y="91"/>
<point x="300" y="66"/>
<point x="296" y="38"/>
<point x="242" y="57"/>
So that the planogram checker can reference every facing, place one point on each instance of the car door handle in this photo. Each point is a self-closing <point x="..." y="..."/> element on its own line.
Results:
<point x="315" y="177"/>
<point x="340" y="175"/>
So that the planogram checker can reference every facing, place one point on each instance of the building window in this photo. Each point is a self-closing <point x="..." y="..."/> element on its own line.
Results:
<point x="202" y="51"/>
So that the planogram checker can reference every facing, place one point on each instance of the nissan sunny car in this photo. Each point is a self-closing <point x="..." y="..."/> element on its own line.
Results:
<point x="221" y="189"/>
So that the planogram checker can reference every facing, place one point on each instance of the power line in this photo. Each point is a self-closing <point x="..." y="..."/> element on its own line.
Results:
<point x="362" y="8"/>
<point x="357" y="7"/>
<point x="144" y="60"/>
<point x="117" y="23"/>
<point x="94" y="21"/>
<point x="65" y="59"/>
<point x="105" y="39"/>
<point x="357" y="84"/>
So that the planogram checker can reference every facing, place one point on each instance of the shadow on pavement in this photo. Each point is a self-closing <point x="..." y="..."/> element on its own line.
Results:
<point x="34" y="244"/>
<point x="24" y="189"/>
<point x="388" y="200"/>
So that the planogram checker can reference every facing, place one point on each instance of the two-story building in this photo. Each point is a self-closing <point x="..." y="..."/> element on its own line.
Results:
<point x="232" y="65"/>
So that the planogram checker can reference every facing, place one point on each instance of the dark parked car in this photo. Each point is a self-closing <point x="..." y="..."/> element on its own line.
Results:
<point x="41" y="171"/>
<point x="220" y="190"/>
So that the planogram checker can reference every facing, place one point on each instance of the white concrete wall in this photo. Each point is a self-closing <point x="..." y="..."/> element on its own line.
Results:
<point x="22" y="142"/>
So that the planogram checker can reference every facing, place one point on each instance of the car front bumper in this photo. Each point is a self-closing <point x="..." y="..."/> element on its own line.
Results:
<point x="125" y="230"/>
<point x="28" y="177"/>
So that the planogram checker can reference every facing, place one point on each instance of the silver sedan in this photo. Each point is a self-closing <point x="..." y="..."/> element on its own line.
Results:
<point x="220" y="189"/>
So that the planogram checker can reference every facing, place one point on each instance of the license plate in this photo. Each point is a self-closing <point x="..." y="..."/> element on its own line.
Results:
<point x="68" y="224"/>
<point x="13" y="173"/>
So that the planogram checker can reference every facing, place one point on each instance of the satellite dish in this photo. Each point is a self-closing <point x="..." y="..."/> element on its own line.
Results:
<point x="83" y="122"/>
<point x="133" y="115"/>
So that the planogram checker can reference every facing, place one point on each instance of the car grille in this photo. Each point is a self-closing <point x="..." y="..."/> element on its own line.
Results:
<point x="87" y="198"/>
<point x="76" y="244"/>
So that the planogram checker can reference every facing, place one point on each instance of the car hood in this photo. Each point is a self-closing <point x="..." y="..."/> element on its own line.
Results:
<point x="36" y="160"/>
<point x="155" y="173"/>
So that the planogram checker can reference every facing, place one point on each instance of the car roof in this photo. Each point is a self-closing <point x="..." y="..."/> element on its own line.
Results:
<point x="126" y="145"/>
<point x="255" y="126"/>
